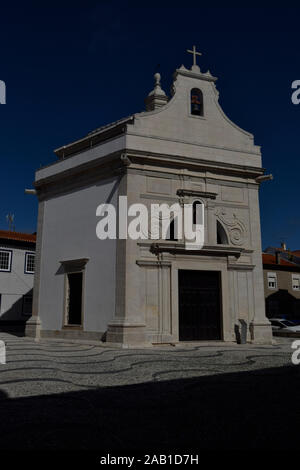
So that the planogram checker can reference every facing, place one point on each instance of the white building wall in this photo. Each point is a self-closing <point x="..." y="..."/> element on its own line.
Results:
<point x="69" y="233"/>
<point x="14" y="285"/>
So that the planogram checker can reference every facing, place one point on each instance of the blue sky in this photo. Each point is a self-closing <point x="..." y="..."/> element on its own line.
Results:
<point x="70" y="67"/>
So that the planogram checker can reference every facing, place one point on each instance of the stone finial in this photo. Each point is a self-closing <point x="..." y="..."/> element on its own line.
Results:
<point x="157" y="78"/>
<point x="157" y="97"/>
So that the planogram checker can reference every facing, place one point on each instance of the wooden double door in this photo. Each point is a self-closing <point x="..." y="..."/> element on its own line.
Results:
<point x="199" y="305"/>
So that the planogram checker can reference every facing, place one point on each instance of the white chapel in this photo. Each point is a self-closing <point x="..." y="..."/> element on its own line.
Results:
<point x="136" y="293"/>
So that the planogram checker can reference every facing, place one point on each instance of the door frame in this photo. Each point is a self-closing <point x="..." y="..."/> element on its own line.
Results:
<point x="202" y="264"/>
<point x="219" y="283"/>
<point x="65" y="306"/>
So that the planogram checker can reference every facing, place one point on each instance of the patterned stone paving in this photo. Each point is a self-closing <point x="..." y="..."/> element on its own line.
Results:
<point x="74" y="396"/>
<point x="48" y="367"/>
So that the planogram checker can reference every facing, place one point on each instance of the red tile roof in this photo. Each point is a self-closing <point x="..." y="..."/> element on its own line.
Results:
<point x="23" y="237"/>
<point x="268" y="258"/>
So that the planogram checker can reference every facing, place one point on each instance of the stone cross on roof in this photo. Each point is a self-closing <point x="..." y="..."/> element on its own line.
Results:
<point x="195" y="53"/>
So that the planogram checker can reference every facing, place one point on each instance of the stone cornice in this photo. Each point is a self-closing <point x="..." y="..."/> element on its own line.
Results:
<point x="198" y="75"/>
<point x="133" y="132"/>
<point x="195" y="164"/>
<point x="75" y="261"/>
<point x="240" y="267"/>
<point x="193" y="193"/>
<point x="95" y="170"/>
<point x="230" y="266"/>
<point x="74" y="264"/>
<point x="122" y="161"/>
<point x="178" y="247"/>
<point x="154" y="262"/>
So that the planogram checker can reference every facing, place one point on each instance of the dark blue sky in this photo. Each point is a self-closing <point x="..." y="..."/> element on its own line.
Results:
<point x="72" y="66"/>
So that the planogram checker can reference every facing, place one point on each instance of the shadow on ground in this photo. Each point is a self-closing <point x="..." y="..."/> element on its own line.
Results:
<point x="247" y="410"/>
<point x="14" y="320"/>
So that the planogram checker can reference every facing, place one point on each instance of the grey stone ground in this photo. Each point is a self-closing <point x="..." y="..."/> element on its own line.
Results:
<point x="64" y="395"/>
<point x="49" y="367"/>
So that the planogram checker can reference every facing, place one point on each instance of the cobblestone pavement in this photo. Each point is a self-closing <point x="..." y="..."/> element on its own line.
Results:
<point x="48" y="367"/>
<point x="64" y="395"/>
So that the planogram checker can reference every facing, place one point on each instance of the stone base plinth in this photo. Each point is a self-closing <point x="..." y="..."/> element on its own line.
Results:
<point x="33" y="328"/>
<point x="127" y="335"/>
<point x="73" y="333"/>
<point x="261" y="333"/>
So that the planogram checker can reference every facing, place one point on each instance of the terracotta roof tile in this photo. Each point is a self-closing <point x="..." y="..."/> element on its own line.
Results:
<point x="271" y="259"/>
<point x="18" y="236"/>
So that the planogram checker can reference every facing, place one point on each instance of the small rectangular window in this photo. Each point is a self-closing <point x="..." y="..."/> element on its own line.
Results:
<point x="29" y="263"/>
<point x="272" y="280"/>
<point x="5" y="260"/>
<point x="296" y="282"/>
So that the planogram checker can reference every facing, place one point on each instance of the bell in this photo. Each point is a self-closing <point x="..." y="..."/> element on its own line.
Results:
<point x="196" y="105"/>
<point x="195" y="108"/>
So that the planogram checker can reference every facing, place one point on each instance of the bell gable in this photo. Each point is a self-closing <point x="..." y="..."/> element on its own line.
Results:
<point x="193" y="118"/>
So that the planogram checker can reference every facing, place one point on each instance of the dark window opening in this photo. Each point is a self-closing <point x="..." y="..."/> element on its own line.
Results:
<point x="172" y="232"/>
<point x="74" y="299"/>
<point x="222" y="238"/>
<point x="197" y="213"/>
<point x="196" y="102"/>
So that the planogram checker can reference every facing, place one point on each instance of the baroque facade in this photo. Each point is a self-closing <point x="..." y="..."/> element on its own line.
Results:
<point x="142" y="292"/>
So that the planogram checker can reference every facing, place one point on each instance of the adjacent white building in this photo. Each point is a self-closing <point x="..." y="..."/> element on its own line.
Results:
<point x="183" y="149"/>
<point x="17" y="262"/>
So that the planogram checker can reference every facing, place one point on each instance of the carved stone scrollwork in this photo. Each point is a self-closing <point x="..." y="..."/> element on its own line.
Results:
<point x="236" y="229"/>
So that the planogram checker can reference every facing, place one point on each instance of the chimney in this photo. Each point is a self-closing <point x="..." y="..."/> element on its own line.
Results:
<point x="277" y="255"/>
<point x="283" y="246"/>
